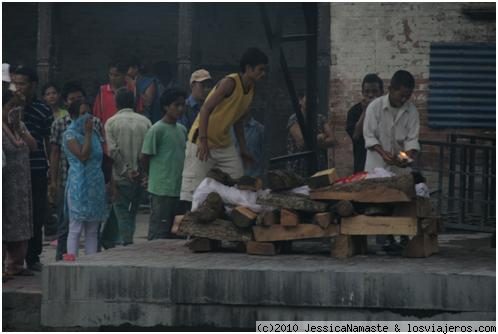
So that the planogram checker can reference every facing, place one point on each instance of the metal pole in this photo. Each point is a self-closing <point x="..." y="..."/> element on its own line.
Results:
<point x="44" y="42"/>
<point x="184" y="53"/>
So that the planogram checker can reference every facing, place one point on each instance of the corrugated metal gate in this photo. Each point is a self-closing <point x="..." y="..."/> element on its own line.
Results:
<point x="462" y="91"/>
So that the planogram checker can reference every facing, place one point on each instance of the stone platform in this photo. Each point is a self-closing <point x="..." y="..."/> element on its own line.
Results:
<point x="161" y="283"/>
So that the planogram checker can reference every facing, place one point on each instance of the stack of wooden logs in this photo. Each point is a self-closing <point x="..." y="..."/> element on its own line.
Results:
<point x="330" y="211"/>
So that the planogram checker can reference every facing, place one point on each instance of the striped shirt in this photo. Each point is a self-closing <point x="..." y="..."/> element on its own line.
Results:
<point x="38" y="119"/>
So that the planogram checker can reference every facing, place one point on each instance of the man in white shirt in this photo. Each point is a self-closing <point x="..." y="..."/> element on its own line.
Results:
<point x="392" y="125"/>
<point x="125" y="133"/>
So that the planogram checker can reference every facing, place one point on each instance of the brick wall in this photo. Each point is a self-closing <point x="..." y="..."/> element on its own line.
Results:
<point x="383" y="38"/>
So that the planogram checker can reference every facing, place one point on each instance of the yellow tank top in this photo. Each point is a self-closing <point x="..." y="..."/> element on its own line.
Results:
<point x="224" y="115"/>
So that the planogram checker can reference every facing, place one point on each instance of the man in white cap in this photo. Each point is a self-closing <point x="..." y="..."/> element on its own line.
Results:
<point x="200" y="85"/>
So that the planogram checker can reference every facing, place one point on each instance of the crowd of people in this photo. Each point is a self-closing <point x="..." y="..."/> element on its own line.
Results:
<point x="140" y="142"/>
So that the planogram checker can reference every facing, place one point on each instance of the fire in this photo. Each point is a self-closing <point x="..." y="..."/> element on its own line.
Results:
<point x="403" y="156"/>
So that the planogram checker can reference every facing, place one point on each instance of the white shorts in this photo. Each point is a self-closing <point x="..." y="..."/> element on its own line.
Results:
<point x="194" y="171"/>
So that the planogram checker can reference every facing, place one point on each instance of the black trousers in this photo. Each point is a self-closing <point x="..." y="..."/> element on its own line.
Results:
<point x="39" y="184"/>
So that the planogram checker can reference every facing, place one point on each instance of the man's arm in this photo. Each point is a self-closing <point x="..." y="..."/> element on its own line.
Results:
<point x="326" y="139"/>
<point x="371" y="141"/>
<point x="113" y="149"/>
<point x="247" y="159"/>
<point x="412" y="145"/>
<point x="148" y="95"/>
<point x="224" y="89"/>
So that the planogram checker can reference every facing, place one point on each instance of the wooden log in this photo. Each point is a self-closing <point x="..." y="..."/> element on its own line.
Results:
<point x="211" y="209"/>
<point x="342" y="247"/>
<point x="218" y="230"/>
<point x="291" y="201"/>
<point x="243" y="217"/>
<point x="198" y="245"/>
<point x="368" y="225"/>
<point x="283" y="180"/>
<point x="423" y="245"/>
<point x="288" y="217"/>
<point x="343" y="208"/>
<point x="322" y="178"/>
<point x="268" y="218"/>
<point x="429" y="225"/>
<point x="176" y="224"/>
<point x="378" y="190"/>
<point x="260" y="248"/>
<point x="301" y="231"/>
<point x="249" y="183"/>
<point x="322" y="219"/>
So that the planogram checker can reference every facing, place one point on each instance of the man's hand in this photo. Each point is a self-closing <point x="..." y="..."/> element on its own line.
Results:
<point x="202" y="150"/>
<point x="247" y="158"/>
<point x="386" y="156"/>
<point x="133" y="176"/>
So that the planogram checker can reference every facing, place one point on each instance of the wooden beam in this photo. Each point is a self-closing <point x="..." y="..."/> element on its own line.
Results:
<point x="422" y="246"/>
<point x="198" y="245"/>
<point x="260" y="248"/>
<point x="342" y="247"/>
<point x="371" y="225"/>
<point x="288" y="217"/>
<point x="301" y="231"/>
<point x="322" y="219"/>
<point x="322" y="178"/>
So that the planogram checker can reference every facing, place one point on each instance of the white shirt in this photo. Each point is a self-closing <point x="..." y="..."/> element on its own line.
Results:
<point x="395" y="129"/>
<point x="125" y="133"/>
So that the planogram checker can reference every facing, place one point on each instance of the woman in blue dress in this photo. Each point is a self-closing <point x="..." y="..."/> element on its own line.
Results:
<point x="86" y="202"/>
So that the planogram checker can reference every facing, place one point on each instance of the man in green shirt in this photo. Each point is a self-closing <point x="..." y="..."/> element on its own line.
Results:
<point x="163" y="153"/>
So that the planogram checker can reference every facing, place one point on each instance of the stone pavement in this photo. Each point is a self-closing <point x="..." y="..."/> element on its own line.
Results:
<point x="162" y="283"/>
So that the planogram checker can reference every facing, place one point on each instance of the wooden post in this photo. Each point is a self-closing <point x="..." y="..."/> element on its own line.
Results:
<point x="44" y="42"/>
<point x="184" y="53"/>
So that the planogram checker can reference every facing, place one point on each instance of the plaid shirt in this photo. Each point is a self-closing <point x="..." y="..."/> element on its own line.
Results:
<point x="58" y="127"/>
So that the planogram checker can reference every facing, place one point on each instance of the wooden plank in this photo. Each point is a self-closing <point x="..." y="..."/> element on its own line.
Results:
<point x="360" y="244"/>
<point x="260" y="248"/>
<point x="322" y="179"/>
<point x="371" y="225"/>
<point x="322" y="219"/>
<point x="291" y="201"/>
<point x="288" y="217"/>
<point x="423" y="245"/>
<point x="268" y="218"/>
<point x="301" y="231"/>
<point x="342" y="247"/>
<point x="217" y="230"/>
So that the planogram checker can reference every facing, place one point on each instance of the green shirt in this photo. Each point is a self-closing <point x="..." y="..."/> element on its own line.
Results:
<point x="166" y="145"/>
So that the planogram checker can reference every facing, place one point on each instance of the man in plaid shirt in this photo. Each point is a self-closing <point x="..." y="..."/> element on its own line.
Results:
<point x="72" y="92"/>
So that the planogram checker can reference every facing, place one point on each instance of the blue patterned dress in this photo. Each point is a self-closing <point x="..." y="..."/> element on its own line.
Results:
<point x="85" y="188"/>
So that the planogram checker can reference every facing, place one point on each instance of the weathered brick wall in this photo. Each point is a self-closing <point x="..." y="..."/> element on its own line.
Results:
<point x="383" y="38"/>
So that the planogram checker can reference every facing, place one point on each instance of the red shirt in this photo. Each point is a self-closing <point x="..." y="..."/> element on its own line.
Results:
<point x="105" y="104"/>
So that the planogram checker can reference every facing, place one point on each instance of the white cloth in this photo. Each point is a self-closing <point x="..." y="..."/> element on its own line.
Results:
<point x="395" y="129"/>
<point x="229" y="195"/>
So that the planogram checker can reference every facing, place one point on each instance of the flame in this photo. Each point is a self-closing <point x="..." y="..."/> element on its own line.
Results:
<point x="402" y="155"/>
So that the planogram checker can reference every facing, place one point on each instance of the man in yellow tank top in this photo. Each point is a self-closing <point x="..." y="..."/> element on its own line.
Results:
<point x="209" y="143"/>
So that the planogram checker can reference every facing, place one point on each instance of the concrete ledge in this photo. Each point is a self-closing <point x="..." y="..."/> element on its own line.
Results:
<point x="162" y="283"/>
